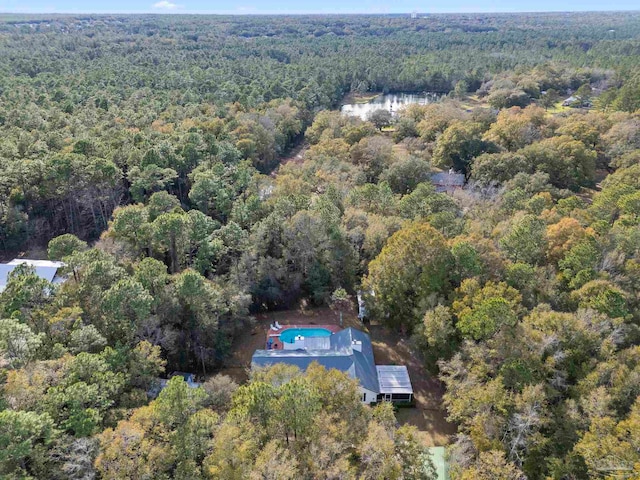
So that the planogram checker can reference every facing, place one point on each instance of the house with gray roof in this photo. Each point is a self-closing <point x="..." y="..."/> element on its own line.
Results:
<point x="349" y="351"/>
<point x="45" y="269"/>
<point x="448" y="182"/>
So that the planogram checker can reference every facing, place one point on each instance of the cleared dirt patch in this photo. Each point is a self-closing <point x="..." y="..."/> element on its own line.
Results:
<point x="428" y="415"/>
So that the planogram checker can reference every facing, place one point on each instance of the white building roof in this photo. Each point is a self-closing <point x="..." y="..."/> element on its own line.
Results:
<point x="36" y="263"/>
<point x="394" y="379"/>
<point x="44" y="269"/>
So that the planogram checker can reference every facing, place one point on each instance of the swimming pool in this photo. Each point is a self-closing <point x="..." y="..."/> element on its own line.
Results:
<point x="289" y="335"/>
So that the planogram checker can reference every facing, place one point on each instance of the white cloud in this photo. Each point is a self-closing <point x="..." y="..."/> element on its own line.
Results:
<point x="166" y="5"/>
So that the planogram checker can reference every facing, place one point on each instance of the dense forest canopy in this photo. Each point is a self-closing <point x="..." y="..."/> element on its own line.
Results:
<point x="146" y="153"/>
<point x="119" y="90"/>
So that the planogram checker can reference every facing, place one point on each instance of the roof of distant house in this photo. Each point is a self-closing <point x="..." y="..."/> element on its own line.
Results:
<point x="340" y="355"/>
<point x="36" y="263"/>
<point x="448" y="179"/>
<point x="572" y="99"/>
<point x="45" y="269"/>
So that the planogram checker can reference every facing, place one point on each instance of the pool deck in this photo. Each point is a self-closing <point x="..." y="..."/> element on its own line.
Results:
<point x="275" y="335"/>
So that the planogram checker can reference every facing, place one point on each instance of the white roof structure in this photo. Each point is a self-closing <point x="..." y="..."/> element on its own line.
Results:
<point x="43" y="268"/>
<point x="317" y="343"/>
<point x="394" y="379"/>
<point x="36" y="263"/>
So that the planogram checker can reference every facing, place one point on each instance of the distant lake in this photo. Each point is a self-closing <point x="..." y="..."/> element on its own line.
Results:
<point x="392" y="102"/>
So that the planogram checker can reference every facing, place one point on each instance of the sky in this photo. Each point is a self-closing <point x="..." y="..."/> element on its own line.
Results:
<point x="309" y="6"/>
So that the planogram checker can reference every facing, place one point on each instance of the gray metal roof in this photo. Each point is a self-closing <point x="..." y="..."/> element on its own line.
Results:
<point x="341" y="355"/>
<point x="43" y="268"/>
<point x="36" y="263"/>
<point x="302" y="358"/>
<point x="394" y="379"/>
<point x="365" y="366"/>
<point x="317" y="343"/>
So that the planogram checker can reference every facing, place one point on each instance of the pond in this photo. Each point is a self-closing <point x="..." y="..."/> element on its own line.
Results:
<point x="391" y="102"/>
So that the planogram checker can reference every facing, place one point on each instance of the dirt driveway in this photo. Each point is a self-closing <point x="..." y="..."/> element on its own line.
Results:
<point x="428" y="415"/>
<point x="388" y="348"/>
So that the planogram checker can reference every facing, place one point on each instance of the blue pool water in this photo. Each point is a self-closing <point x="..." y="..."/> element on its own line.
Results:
<point x="289" y="335"/>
